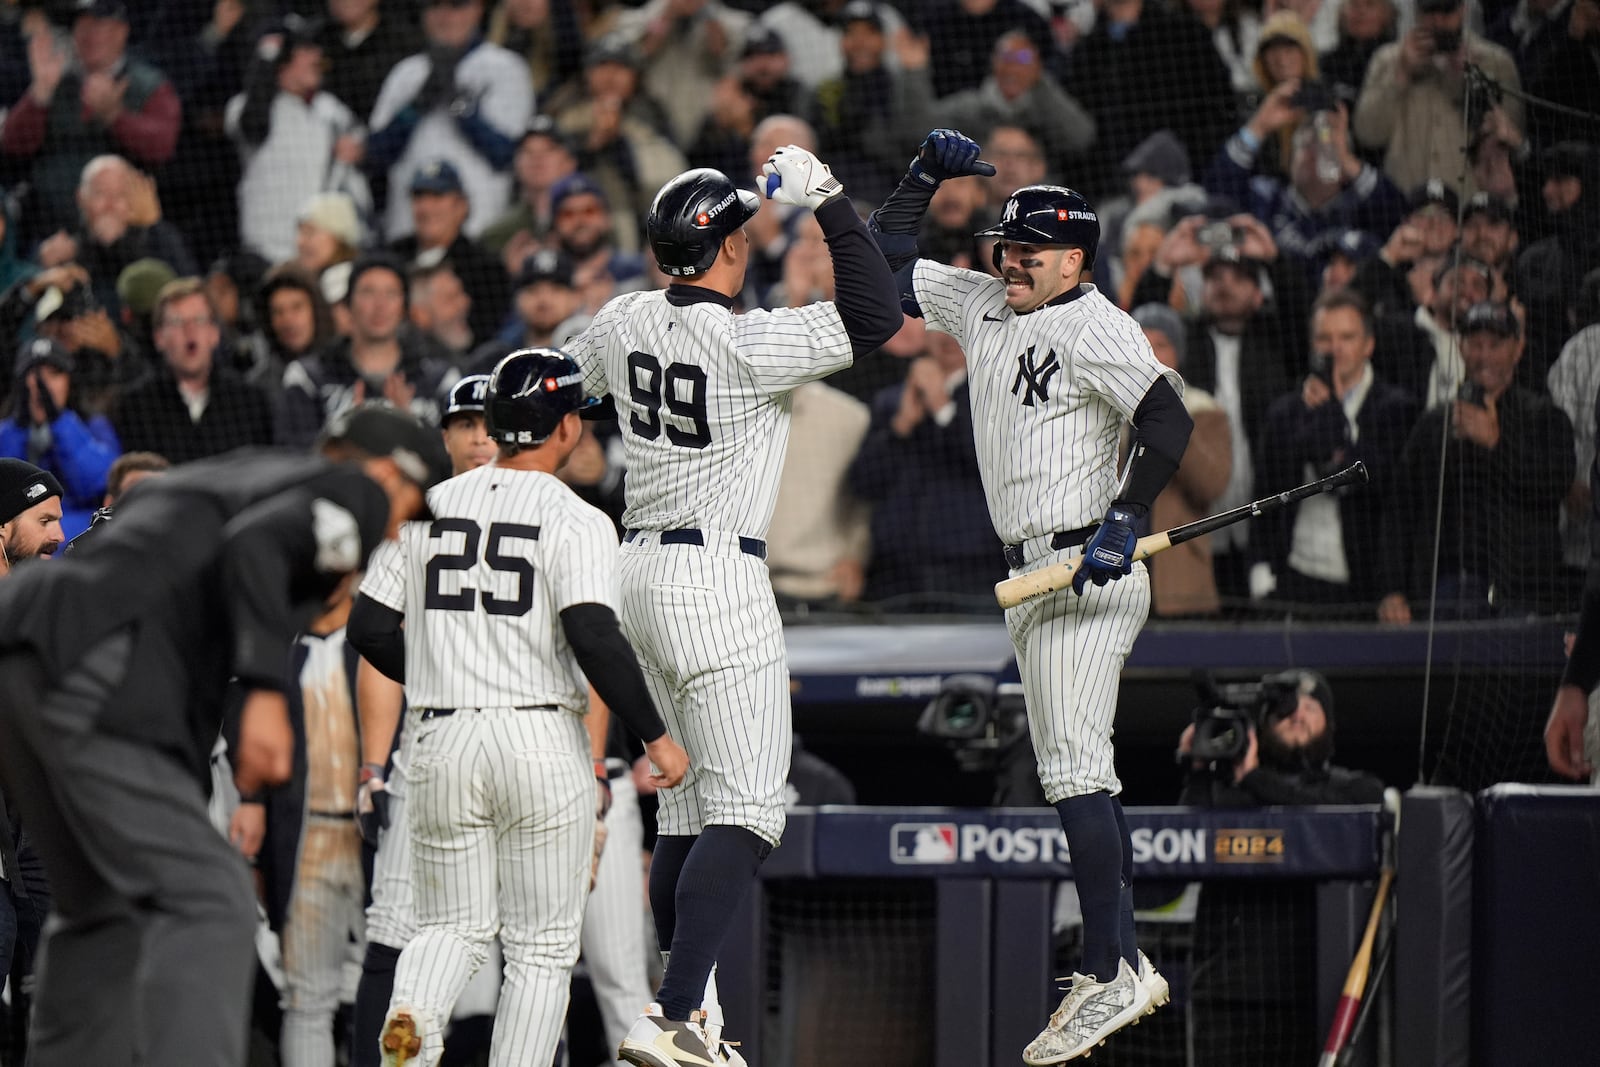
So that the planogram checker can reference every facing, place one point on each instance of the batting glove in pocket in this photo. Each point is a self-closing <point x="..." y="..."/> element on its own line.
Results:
<point x="794" y="176"/>
<point x="372" y="810"/>
<point x="948" y="154"/>
<point x="1109" y="552"/>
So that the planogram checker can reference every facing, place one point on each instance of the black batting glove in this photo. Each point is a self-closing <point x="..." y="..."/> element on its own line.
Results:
<point x="1109" y="553"/>
<point x="948" y="154"/>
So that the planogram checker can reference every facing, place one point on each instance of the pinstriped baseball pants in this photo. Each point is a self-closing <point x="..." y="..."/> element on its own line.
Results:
<point x="1070" y="651"/>
<point x="709" y="638"/>
<point x="501" y="803"/>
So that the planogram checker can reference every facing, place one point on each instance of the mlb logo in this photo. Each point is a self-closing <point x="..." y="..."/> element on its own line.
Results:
<point x="923" y="842"/>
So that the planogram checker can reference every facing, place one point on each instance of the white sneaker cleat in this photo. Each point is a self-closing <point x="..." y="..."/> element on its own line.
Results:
<point x="658" y="1042"/>
<point x="1151" y="979"/>
<point x="401" y="1040"/>
<point x="1090" y="1012"/>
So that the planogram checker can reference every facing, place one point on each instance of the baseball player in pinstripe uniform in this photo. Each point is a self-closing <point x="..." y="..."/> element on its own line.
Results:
<point x="381" y="809"/>
<point x="1055" y="369"/>
<point x="495" y="610"/>
<point x="702" y="396"/>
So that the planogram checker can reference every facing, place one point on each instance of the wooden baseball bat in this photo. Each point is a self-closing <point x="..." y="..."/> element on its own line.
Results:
<point x="1355" y="982"/>
<point x="1046" y="580"/>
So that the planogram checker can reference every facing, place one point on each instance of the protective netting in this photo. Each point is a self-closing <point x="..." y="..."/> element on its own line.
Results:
<point x="850" y="973"/>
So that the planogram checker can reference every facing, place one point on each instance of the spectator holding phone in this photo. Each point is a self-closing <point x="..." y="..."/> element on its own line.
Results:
<point x="1417" y="101"/>
<point x="1319" y="552"/>
<point x="1508" y="464"/>
<point x="1329" y="190"/>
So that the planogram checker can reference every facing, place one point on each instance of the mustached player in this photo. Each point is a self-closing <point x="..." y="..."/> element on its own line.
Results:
<point x="702" y="397"/>
<point x="1054" y="370"/>
<point x="495" y="610"/>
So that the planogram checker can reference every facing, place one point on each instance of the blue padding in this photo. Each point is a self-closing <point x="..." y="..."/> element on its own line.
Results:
<point x="1536" y="942"/>
<point x="1324" y="842"/>
<point x="795" y="856"/>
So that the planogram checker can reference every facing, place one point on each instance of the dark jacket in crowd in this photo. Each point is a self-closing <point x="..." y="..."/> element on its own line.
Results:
<point x="961" y="44"/>
<point x="1295" y="437"/>
<point x="1500" y="535"/>
<point x="153" y="417"/>
<point x="1164" y="73"/>
<point x="316" y="388"/>
<point x="931" y="533"/>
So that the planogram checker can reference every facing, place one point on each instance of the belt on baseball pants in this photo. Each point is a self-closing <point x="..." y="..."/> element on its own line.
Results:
<point x="444" y="713"/>
<point x="750" y="546"/>
<point x="1016" y="555"/>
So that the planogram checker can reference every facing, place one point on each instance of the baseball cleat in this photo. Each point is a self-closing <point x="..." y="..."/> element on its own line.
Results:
<point x="1151" y="979"/>
<point x="657" y="1042"/>
<point x="401" y="1041"/>
<point x="1090" y="1012"/>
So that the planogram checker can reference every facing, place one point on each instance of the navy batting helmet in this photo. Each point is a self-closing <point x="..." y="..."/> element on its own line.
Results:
<point x="468" y="396"/>
<point x="1047" y="215"/>
<point x="530" y="392"/>
<point x="691" y="216"/>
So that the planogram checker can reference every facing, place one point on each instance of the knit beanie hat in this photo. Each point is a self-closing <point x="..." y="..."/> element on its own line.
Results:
<point x="22" y="485"/>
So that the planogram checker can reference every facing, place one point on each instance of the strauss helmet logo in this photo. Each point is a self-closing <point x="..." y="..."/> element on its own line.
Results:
<point x="702" y="219"/>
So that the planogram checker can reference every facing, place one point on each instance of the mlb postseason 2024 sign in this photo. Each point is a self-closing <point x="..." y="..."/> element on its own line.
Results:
<point x="1326" y="842"/>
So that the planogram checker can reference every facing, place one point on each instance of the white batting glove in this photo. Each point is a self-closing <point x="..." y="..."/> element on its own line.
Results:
<point x="795" y="176"/>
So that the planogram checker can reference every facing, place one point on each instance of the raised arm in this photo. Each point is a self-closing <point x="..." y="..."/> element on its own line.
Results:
<point x="943" y="154"/>
<point x="864" y="288"/>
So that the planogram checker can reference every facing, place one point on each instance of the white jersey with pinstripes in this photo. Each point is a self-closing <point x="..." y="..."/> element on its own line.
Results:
<point x="1074" y="372"/>
<point x="483" y="585"/>
<point x="702" y="396"/>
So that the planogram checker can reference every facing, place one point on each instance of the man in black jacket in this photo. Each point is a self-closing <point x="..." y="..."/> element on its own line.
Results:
<point x="1319" y="551"/>
<point x="1507" y="467"/>
<point x="439" y="209"/>
<point x="1253" y="992"/>
<point x="190" y="407"/>
<point x="113" y="665"/>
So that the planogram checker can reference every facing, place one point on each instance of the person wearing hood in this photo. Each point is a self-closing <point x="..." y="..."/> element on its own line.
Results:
<point x="46" y="429"/>
<point x="1549" y="275"/>
<point x="1254" y="980"/>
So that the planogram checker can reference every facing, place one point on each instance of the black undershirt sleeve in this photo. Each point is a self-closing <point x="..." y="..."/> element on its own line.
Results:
<point x="864" y="287"/>
<point x="611" y="667"/>
<point x="1161" y="428"/>
<point x="376" y="631"/>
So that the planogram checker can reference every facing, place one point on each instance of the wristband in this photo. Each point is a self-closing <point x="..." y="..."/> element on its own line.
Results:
<point x="369" y="771"/>
<point x="258" y="797"/>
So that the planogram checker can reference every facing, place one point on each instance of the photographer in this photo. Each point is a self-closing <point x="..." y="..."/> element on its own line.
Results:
<point x="1253" y="987"/>
<point x="1287" y="753"/>
<point x="1418" y="101"/>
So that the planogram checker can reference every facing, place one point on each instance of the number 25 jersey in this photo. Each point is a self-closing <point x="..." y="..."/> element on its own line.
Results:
<point x="702" y="396"/>
<point x="483" y="584"/>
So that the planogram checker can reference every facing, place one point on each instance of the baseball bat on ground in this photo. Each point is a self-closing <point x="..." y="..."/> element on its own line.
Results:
<point x="1046" y="580"/>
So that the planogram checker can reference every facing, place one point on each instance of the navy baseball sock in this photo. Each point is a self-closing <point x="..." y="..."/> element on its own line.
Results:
<point x="713" y="883"/>
<point x="372" y="1003"/>
<point x="1128" y="936"/>
<point x="1096" y="843"/>
<point x="666" y="867"/>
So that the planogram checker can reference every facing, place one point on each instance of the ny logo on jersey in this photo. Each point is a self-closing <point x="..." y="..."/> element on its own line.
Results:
<point x="1033" y="377"/>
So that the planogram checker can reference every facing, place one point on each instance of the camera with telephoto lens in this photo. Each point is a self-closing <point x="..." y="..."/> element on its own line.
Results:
<point x="1229" y="711"/>
<point x="978" y="717"/>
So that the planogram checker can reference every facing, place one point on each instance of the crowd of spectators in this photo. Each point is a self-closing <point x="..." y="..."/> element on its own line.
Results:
<point x="1360" y="229"/>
